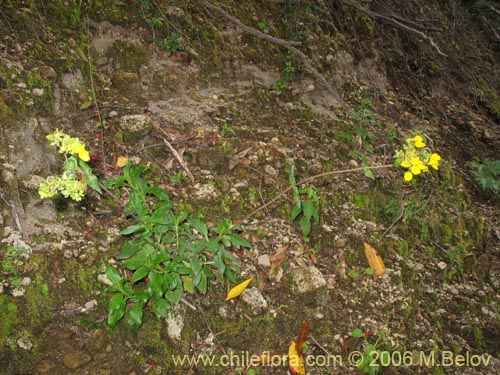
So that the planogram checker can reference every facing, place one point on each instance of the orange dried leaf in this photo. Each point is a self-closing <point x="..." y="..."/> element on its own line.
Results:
<point x="374" y="259"/>
<point x="238" y="289"/>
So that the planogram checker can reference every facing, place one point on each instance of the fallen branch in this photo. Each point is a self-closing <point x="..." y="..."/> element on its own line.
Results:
<point x="178" y="157"/>
<point x="397" y="23"/>
<point x="289" y="45"/>
<point x="306" y="180"/>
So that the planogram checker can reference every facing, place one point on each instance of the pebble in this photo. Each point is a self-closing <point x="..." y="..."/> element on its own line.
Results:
<point x="91" y="305"/>
<point x="264" y="260"/>
<point x="76" y="359"/>
<point x="26" y="281"/>
<point x="102" y="278"/>
<point x="442" y="265"/>
<point x="254" y="298"/>
<point x="37" y="92"/>
<point x="24" y="343"/>
<point x="18" y="292"/>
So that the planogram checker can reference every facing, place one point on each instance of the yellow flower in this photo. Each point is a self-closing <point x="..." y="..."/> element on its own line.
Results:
<point x="434" y="161"/>
<point x="76" y="148"/>
<point x="405" y="164"/>
<point x="419" y="141"/>
<point x="408" y="176"/>
<point x="84" y="155"/>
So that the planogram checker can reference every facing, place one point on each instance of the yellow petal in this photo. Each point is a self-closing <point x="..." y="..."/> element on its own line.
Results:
<point x="405" y="164"/>
<point x="295" y="361"/>
<point x="84" y="155"/>
<point x="238" y="289"/>
<point x="408" y="176"/>
<point x="415" y="170"/>
<point x="121" y="161"/>
<point x="374" y="259"/>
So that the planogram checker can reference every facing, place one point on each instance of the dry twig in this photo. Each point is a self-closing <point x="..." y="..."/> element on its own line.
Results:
<point x="178" y="157"/>
<point x="289" y="45"/>
<point x="396" y="23"/>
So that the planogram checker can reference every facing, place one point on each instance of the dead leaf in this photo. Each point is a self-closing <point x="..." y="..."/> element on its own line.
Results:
<point x="374" y="259"/>
<point x="295" y="352"/>
<point x="238" y="289"/>
<point x="278" y="256"/>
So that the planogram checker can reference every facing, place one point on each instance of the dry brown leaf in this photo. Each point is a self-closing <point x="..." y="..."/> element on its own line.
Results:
<point x="374" y="259"/>
<point x="278" y="256"/>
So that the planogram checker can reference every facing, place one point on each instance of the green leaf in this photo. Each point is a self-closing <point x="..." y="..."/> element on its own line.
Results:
<point x="219" y="263"/>
<point x="132" y="229"/>
<point x="174" y="296"/>
<point x="200" y="227"/>
<point x="238" y="241"/>
<point x="202" y="286"/>
<point x="135" y="314"/>
<point x="139" y="274"/>
<point x="113" y="275"/>
<point x="356" y="332"/>
<point x="308" y="209"/>
<point x="130" y="248"/>
<point x="116" y="309"/>
<point x="92" y="180"/>
<point x="161" y="307"/>
<point x="196" y="265"/>
<point x="86" y="104"/>
<point x="369" y="173"/>
<point x="296" y="211"/>
<point x="291" y="175"/>
<point x="156" y="284"/>
<point x="305" y="226"/>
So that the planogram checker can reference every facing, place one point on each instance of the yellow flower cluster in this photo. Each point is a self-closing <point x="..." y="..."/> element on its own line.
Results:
<point x="68" y="145"/>
<point x="416" y="158"/>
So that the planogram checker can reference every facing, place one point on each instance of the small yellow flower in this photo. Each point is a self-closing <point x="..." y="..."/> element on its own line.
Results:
<point x="434" y="161"/>
<point x="84" y="155"/>
<point x="405" y="164"/>
<point x="408" y="176"/>
<point x="419" y="141"/>
<point x="76" y="148"/>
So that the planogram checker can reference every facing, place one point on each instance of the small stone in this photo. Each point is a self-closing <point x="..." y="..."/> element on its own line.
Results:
<point x="264" y="260"/>
<point x="102" y="278"/>
<point x="97" y="339"/>
<point x="24" y="343"/>
<point x="37" y="92"/>
<point x="91" y="305"/>
<point x="306" y="279"/>
<point x="223" y="312"/>
<point x="112" y="114"/>
<point x="175" y="323"/>
<point x="205" y="191"/>
<point x="136" y="126"/>
<point x="442" y="265"/>
<point x="45" y="367"/>
<point x="26" y="281"/>
<point x="72" y="81"/>
<point x="76" y="359"/>
<point x="270" y="170"/>
<point x="255" y="300"/>
<point x="18" y="292"/>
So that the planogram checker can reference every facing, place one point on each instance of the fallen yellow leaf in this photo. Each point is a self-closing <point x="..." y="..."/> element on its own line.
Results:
<point x="295" y="360"/>
<point x="121" y="161"/>
<point x="374" y="259"/>
<point x="238" y="289"/>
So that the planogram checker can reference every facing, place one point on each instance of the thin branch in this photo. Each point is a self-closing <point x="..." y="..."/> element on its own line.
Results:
<point x="14" y="213"/>
<point x="306" y="180"/>
<point x="290" y="45"/>
<point x="397" y="23"/>
<point x="178" y="157"/>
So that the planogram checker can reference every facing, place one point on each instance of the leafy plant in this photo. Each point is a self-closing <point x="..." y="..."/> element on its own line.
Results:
<point x="226" y="129"/>
<point x="286" y="75"/>
<point x="171" y="44"/>
<point x="169" y="254"/>
<point x="308" y="208"/>
<point x="487" y="174"/>
<point x="77" y="174"/>
<point x="375" y="354"/>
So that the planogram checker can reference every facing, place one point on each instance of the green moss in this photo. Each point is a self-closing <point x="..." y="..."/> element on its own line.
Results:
<point x="128" y="56"/>
<point x="67" y="14"/>
<point x="8" y="317"/>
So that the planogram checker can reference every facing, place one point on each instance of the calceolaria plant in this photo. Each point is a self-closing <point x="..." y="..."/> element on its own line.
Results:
<point x="76" y="175"/>
<point x="416" y="158"/>
<point x="167" y="254"/>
